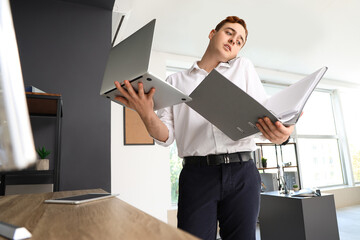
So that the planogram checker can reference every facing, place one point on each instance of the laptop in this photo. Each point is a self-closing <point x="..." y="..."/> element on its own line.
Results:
<point x="130" y="60"/>
<point x="235" y="113"/>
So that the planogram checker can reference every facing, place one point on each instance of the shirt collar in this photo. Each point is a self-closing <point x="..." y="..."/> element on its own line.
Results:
<point x="194" y="67"/>
<point x="227" y="64"/>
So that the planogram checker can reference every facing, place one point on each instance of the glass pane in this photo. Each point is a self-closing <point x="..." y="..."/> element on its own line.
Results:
<point x="320" y="162"/>
<point x="291" y="177"/>
<point x="175" y="169"/>
<point x="318" y="117"/>
<point x="352" y="118"/>
<point x="270" y="153"/>
<point x="289" y="155"/>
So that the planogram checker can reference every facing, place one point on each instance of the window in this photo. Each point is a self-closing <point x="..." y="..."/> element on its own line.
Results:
<point x="320" y="162"/>
<point x="318" y="117"/>
<point x="351" y="113"/>
<point x="175" y="169"/>
<point x="318" y="143"/>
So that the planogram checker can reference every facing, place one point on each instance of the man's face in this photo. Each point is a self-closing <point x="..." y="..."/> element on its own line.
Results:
<point x="228" y="41"/>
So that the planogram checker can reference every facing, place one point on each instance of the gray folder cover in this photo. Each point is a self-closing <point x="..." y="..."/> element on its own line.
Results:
<point x="235" y="113"/>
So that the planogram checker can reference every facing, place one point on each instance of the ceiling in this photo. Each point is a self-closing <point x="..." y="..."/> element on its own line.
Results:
<point x="285" y="35"/>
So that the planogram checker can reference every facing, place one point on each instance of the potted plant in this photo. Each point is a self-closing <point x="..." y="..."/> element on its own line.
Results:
<point x="43" y="162"/>
<point x="295" y="187"/>
<point x="264" y="162"/>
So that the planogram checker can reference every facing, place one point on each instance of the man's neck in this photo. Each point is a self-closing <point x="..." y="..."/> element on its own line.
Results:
<point x="209" y="61"/>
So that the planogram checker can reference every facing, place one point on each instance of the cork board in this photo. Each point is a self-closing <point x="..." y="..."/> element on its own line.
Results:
<point x="135" y="132"/>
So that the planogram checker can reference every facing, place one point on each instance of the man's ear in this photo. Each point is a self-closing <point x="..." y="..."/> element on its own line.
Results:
<point x="212" y="33"/>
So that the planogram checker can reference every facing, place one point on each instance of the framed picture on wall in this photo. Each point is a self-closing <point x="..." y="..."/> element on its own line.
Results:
<point x="135" y="132"/>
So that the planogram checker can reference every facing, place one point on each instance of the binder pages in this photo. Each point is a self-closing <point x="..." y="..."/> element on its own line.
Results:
<point x="288" y="104"/>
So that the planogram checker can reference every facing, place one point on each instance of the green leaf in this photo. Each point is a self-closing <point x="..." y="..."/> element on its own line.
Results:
<point x="42" y="152"/>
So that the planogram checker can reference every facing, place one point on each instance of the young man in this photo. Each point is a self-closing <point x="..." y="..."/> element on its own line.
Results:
<point x="219" y="180"/>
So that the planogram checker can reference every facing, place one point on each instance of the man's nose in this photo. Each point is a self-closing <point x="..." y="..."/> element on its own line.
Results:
<point x="231" y="41"/>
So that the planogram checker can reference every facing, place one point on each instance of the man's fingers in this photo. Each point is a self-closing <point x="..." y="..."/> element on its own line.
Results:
<point x="130" y="89"/>
<point x="141" y="90"/>
<point x="122" y="100"/>
<point x="151" y="93"/>
<point x="122" y="90"/>
<point x="137" y="100"/>
<point x="283" y="129"/>
<point x="268" y="127"/>
<point x="258" y="125"/>
<point x="278" y="129"/>
<point x="275" y="132"/>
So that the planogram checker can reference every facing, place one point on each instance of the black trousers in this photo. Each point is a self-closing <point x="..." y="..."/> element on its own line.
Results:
<point x="228" y="193"/>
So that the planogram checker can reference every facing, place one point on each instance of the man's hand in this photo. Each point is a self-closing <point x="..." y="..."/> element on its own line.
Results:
<point x="277" y="133"/>
<point x="142" y="103"/>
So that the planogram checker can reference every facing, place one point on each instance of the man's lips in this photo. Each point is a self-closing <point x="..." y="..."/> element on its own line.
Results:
<point x="227" y="46"/>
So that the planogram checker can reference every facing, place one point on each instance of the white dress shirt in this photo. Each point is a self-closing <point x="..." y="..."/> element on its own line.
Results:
<point x="194" y="135"/>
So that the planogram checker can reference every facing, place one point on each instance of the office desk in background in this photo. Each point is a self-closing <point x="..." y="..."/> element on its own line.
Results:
<point x="104" y="219"/>
<point x="297" y="218"/>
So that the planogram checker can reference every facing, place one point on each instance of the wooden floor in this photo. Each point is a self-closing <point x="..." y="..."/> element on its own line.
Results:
<point x="348" y="223"/>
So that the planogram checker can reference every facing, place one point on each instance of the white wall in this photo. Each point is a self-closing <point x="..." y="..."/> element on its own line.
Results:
<point x="140" y="174"/>
<point x="346" y="196"/>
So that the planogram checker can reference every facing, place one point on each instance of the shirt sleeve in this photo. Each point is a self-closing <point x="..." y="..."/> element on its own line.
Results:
<point x="167" y="117"/>
<point x="255" y="89"/>
<point x="254" y="86"/>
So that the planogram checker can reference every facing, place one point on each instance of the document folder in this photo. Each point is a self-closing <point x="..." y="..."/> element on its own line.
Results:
<point x="235" y="113"/>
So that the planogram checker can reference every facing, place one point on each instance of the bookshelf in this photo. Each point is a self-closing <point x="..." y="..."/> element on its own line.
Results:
<point x="40" y="105"/>
<point x="280" y="158"/>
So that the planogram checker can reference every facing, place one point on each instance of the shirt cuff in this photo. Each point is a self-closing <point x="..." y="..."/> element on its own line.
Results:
<point x="286" y="142"/>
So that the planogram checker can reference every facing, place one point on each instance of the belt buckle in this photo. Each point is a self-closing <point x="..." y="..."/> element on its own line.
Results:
<point x="226" y="158"/>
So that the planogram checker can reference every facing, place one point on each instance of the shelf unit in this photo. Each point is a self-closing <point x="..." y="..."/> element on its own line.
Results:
<point x="40" y="105"/>
<point x="278" y="153"/>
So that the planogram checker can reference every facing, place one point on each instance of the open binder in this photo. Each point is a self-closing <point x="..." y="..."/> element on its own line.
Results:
<point x="235" y="113"/>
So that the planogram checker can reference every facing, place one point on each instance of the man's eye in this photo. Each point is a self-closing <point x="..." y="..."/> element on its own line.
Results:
<point x="228" y="33"/>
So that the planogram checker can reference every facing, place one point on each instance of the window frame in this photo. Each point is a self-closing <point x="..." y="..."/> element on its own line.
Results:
<point x="344" y="144"/>
<point x="340" y="136"/>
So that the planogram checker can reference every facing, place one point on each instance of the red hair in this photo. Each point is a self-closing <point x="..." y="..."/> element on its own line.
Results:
<point x="232" y="19"/>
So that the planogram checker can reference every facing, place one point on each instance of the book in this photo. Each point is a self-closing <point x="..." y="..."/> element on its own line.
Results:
<point x="236" y="113"/>
<point x="29" y="88"/>
<point x="257" y="158"/>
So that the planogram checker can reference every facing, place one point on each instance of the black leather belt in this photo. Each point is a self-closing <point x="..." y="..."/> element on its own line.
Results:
<point x="218" y="159"/>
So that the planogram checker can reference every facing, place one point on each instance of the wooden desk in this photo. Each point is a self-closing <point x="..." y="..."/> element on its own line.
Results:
<point x="103" y="219"/>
